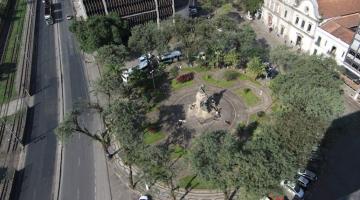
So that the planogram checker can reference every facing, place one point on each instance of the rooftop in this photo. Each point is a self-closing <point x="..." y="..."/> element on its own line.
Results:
<point x="341" y="27"/>
<point x="334" y="8"/>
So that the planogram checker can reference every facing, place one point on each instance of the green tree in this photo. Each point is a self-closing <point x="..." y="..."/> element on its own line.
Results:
<point x="98" y="31"/>
<point x="253" y="5"/>
<point x="214" y="157"/>
<point x="126" y="120"/>
<point x="146" y="38"/>
<point x="73" y="123"/>
<point x="312" y="87"/>
<point x="283" y="57"/>
<point x="255" y="67"/>
<point x="112" y="56"/>
<point x="249" y="47"/>
<point x="157" y="165"/>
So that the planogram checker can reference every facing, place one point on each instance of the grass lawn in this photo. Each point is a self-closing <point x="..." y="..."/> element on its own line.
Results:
<point x="195" y="69"/>
<point x="255" y="118"/>
<point x="177" y="151"/>
<point x="194" y="182"/>
<point x="220" y="83"/>
<point x="12" y="48"/>
<point x="177" y="86"/>
<point x="244" y="77"/>
<point x="152" y="137"/>
<point x="249" y="97"/>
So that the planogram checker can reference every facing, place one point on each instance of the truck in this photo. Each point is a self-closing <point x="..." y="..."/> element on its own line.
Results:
<point x="48" y="12"/>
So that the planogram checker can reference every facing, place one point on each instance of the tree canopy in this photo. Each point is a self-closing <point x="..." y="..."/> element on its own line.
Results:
<point x="147" y="37"/>
<point x="312" y="87"/>
<point x="98" y="31"/>
<point x="112" y="56"/>
<point x="214" y="157"/>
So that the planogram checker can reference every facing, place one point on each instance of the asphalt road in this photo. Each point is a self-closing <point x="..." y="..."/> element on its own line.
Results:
<point x="35" y="181"/>
<point x="78" y="179"/>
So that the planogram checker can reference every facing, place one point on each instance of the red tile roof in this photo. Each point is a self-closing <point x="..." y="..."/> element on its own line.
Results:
<point x="334" y="8"/>
<point x="340" y="27"/>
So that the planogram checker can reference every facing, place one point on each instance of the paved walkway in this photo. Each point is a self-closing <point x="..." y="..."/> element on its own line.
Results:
<point x="107" y="186"/>
<point x="263" y="34"/>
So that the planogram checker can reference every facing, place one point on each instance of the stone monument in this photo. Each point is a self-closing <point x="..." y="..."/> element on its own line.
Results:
<point x="204" y="107"/>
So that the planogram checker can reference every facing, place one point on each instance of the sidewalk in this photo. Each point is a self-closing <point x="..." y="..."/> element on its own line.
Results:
<point x="107" y="186"/>
<point x="264" y="35"/>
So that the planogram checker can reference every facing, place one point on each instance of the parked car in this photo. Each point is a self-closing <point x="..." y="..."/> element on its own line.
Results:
<point x="144" y="62"/>
<point x="307" y="174"/>
<point x="302" y="181"/>
<point x="69" y="17"/>
<point x="193" y="11"/>
<point x="293" y="189"/>
<point x="144" y="197"/>
<point x="170" y="56"/>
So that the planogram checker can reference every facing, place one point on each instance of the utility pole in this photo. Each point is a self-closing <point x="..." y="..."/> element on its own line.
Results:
<point x="173" y="8"/>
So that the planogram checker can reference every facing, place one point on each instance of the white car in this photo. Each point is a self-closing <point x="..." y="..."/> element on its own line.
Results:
<point x="144" y="198"/>
<point x="307" y="174"/>
<point x="292" y="188"/>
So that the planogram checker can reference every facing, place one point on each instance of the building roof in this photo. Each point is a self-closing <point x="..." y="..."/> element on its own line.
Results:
<point x="340" y="27"/>
<point x="334" y="8"/>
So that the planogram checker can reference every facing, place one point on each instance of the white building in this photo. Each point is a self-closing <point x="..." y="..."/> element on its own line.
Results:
<point x="325" y="27"/>
<point x="334" y="36"/>
<point x="293" y="20"/>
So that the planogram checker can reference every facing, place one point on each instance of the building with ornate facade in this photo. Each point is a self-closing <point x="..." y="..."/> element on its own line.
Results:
<point x="322" y="27"/>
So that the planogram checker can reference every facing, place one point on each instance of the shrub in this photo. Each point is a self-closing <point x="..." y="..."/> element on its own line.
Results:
<point x="260" y="114"/>
<point x="185" y="77"/>
<point x="174" y="71"/>
<point x="247" y="90"/>
<point x="231" y="75"/>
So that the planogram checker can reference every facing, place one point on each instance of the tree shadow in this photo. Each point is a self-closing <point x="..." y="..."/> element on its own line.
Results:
<point x="169" y="115"/>
<point x="181" y="135"/>
<point x="245" y="132"/>
<point x="236" y="17"/>
<point x="339" y="170"/>
<point x="263" y="43"/>
<point x="6" y="69"/>
<point x="189" y="186"/>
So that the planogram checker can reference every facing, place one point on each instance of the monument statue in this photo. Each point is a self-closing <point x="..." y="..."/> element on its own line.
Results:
<point x="205" y="106"/>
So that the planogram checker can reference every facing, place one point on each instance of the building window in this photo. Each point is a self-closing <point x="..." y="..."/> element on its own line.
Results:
<point x="285" y="14"/>
<point x="358" y="56"/>
<point x="332" y="51"/>
<point x="306" y="9"/>
<point x="302" y="24"/>
<point x="315" y="52"/>
<point x="297" y="20"/>
<point x="343" y="54"/>
<point x="352" y="52"/>
<point x="318" y="41"/>
<point x="309" y="28"/>
<point x="325" y="42"/>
